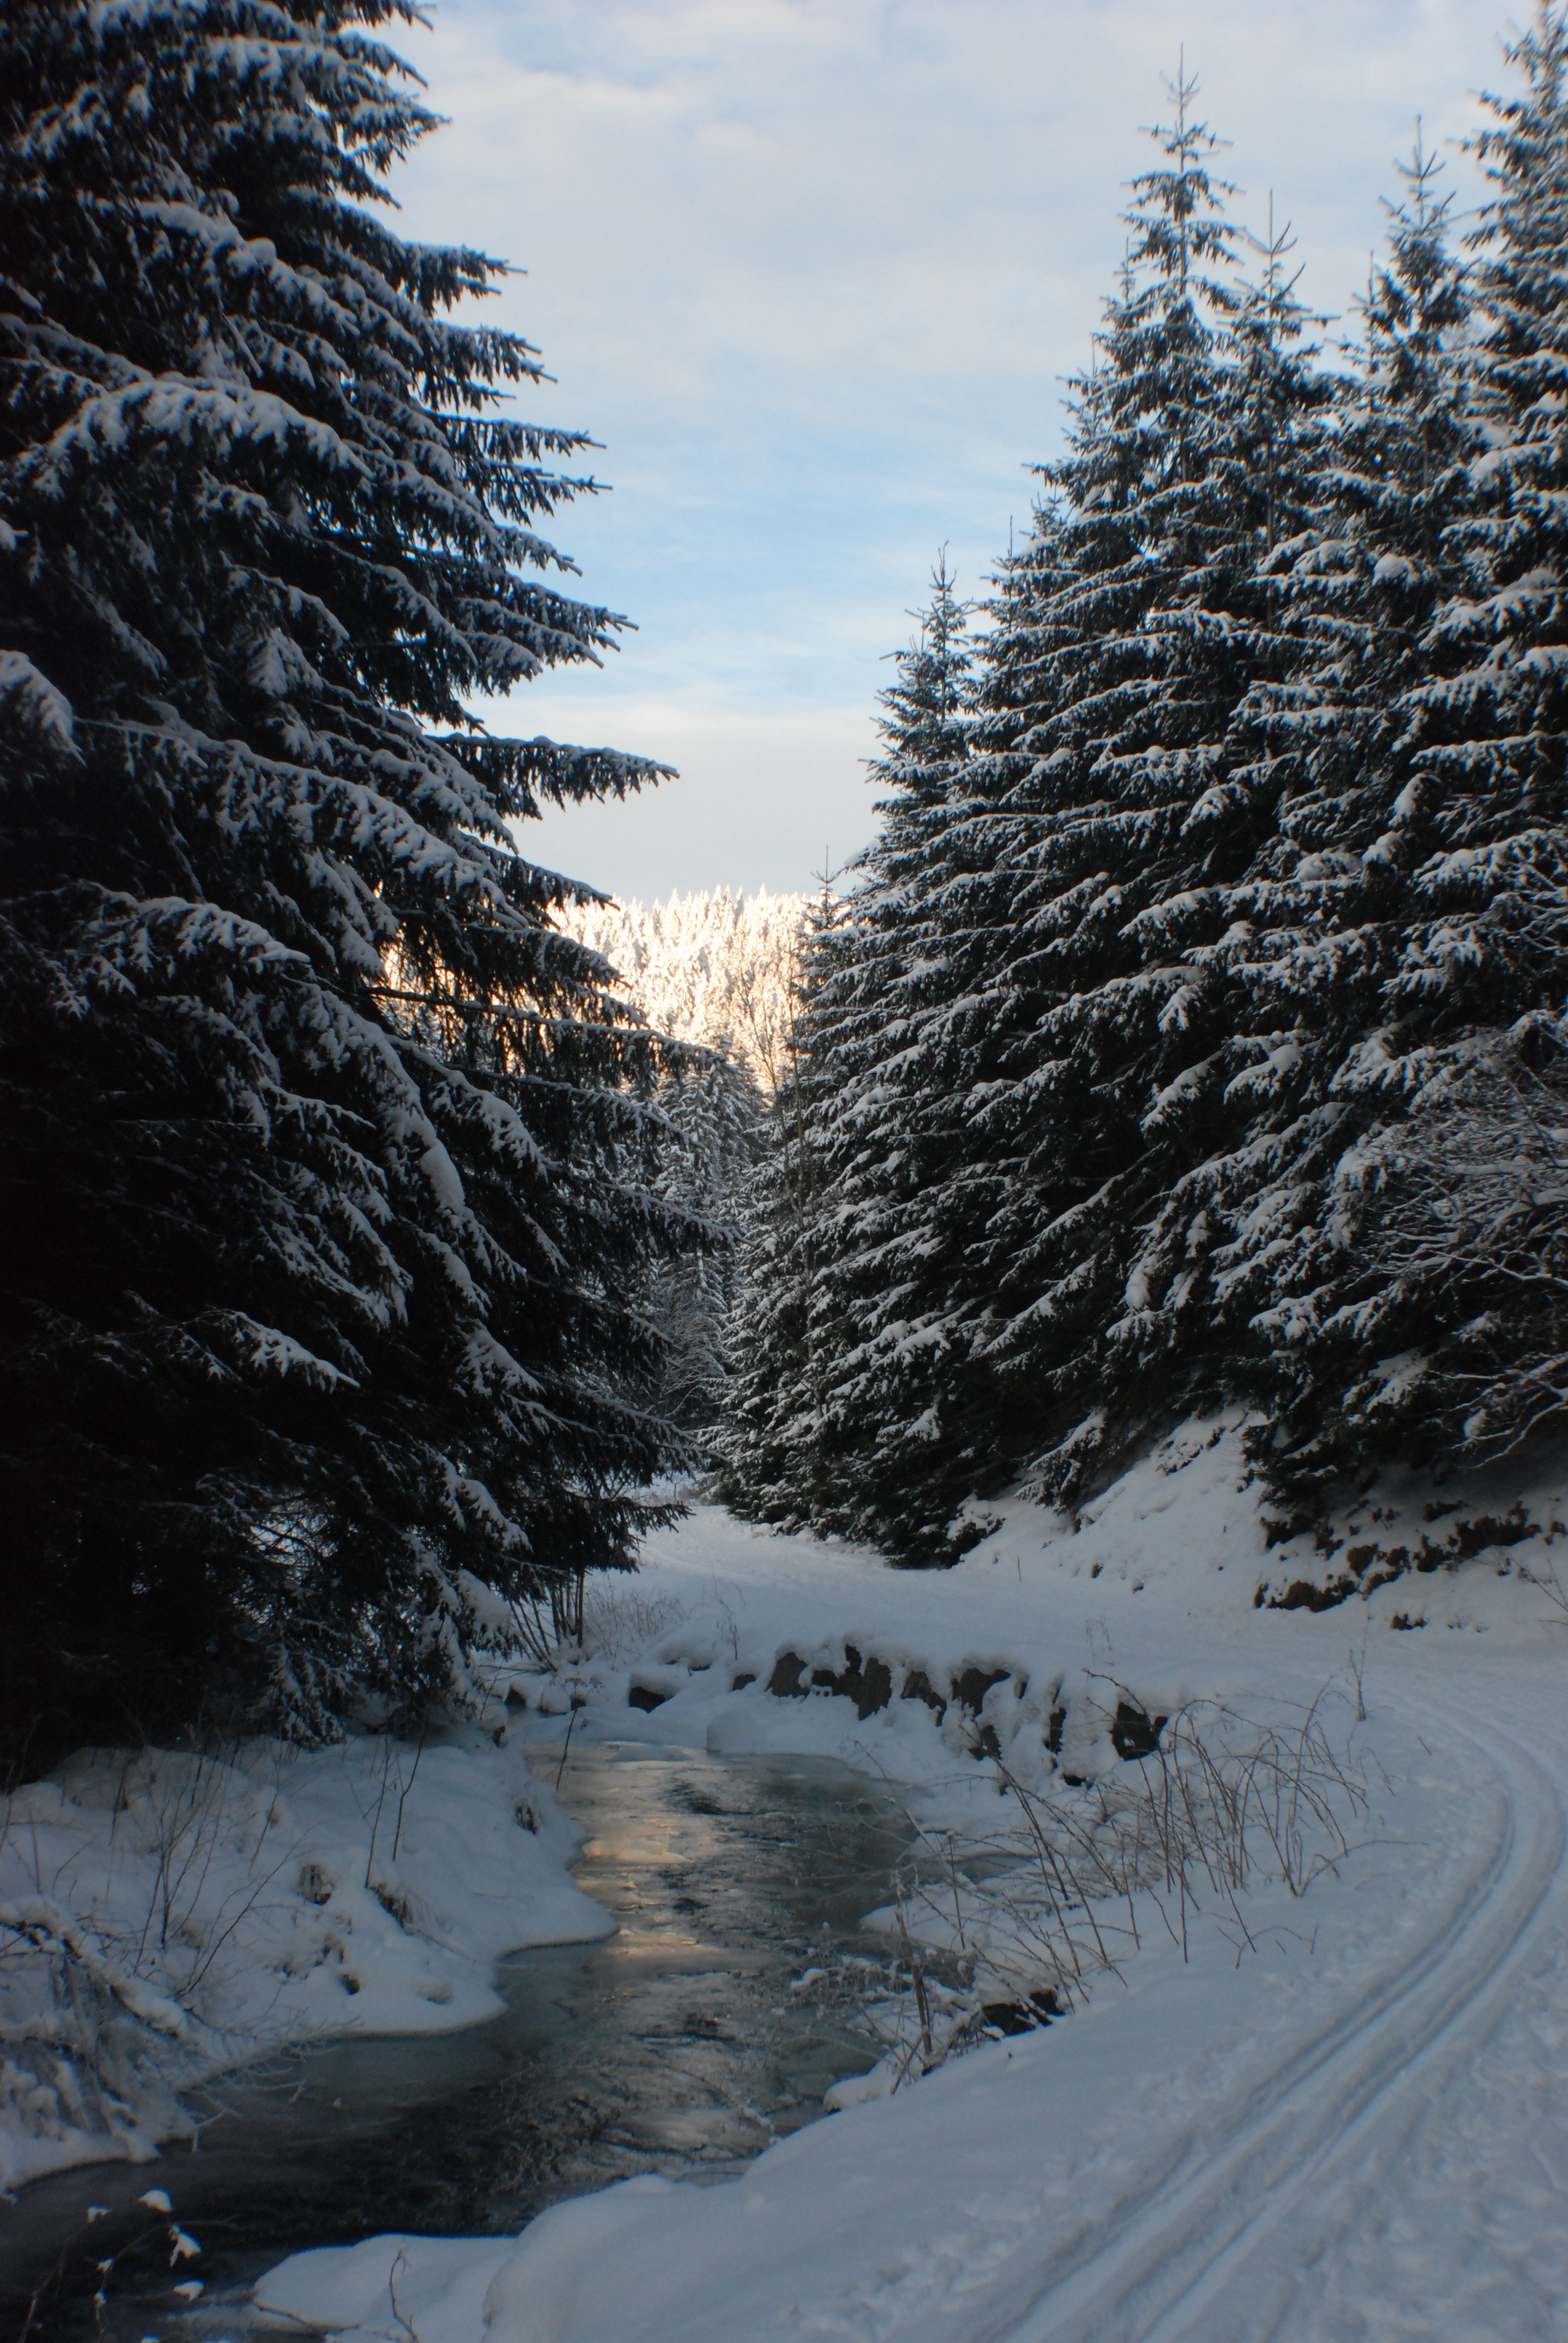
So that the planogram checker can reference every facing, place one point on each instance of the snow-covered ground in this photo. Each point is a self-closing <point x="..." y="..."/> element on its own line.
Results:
<point x="166" y="1915"/>
<point x="1340" y="2109"/>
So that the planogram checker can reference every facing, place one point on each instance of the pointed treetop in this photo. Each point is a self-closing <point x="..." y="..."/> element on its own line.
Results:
<point x="1523" y="150"/>
<point x="1414" y="310"/>
<point x="1420" y="176"/>
<point x="1178" y="212"/>
<point x="924" y="711"/>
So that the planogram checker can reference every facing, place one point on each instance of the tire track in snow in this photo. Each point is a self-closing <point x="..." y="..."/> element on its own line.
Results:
<point x="1147" y="2276"/>
<point x="1464" y="2002"/>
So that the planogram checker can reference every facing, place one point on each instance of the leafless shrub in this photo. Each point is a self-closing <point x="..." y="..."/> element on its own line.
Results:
<point x="1028" y="1917"/>
<point x="1545" y="1577"/>
<point x="619" y="1620"/>
<point x="550" y="1622"/>
<point x="182" y="2249"/>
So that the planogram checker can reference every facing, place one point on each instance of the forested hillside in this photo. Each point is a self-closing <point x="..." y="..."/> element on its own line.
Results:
<point x="716" y="973"/>
<point x="1194" y="1029"/>
<point x="716" y="969"/>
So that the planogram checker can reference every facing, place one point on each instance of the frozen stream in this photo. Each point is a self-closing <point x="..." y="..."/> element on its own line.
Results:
<point x="674" y="2043"/>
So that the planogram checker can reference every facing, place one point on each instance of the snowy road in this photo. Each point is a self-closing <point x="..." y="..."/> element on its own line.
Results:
<point x="1289" y="2221"/>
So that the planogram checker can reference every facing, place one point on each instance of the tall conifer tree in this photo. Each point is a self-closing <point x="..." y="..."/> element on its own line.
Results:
<point x="1423" y="1311"/>
<point x="1132" y="801"/>
<point x="323" y="1180"/>
<point x="884" y="1035"/>
<point x="1319" y="920"/>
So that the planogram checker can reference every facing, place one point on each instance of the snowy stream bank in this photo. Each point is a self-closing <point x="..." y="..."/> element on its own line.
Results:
<point x="1336" y="2106"/>
<point x="675" y="2044"/>
<point x="166" y="1916"/>
<point x="1352" y="2121"/>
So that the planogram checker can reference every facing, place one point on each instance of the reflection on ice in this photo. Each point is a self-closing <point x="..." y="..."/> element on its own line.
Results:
<point x="674" y="2046"/>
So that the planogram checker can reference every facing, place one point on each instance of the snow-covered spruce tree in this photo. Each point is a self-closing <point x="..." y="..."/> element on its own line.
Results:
<point x="894" y="1428"/>
<point x="1379" y="1344"/>
<point x="1125" y="801"/>
<point x="886" y="984"/>
<point x="322" y="1152"/>
<point x="1252" y="1246"/>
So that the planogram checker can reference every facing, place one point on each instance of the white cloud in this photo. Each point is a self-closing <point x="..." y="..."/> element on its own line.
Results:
<point x="761" y="801"/>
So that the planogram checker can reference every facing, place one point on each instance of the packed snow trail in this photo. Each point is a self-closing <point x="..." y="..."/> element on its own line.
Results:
<point x="1204" y="2252"/>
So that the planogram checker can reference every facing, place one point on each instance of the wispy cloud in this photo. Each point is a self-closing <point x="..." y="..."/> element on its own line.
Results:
<point x="813" y="270"/>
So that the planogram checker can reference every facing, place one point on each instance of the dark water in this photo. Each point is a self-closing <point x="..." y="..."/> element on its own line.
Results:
<point x="674" y="2046"/>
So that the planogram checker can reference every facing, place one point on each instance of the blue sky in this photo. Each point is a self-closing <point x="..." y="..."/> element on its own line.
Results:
<point x="813" y="271"/>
